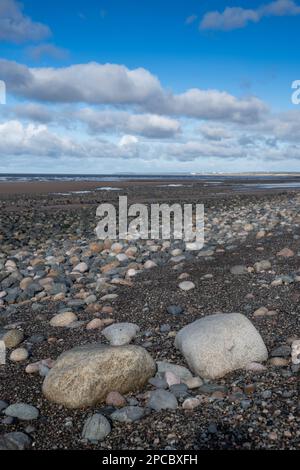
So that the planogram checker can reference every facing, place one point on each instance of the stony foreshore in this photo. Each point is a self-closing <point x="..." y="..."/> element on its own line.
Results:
<point x="61" y="288"/>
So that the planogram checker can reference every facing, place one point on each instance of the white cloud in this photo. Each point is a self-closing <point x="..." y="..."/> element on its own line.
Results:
<point x="229" y="19"/>
<point x="90" y="83"/>
<point x="148" y="125"/>
<point x="237" y="17"/>
<point x="214" y="132"/>
<point x="47" y="50"/>
<point x="215" y="105"/>
<point x="128" y="141"/>
<point x="17" y="27"/>
<point x="97" y="121"/>
<point x="17" y="139"/>
<point x="117" y="85"/>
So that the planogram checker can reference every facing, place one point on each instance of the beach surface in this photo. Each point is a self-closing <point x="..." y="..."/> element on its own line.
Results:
<point x="51" y="263"/>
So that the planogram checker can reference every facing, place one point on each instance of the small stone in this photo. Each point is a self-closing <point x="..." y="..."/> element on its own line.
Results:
<point x="95" y="324"/>
<point x="296" y="352"/>
<point x="19" y="355"/>
<point x="15" y="441"/>
<point x="263" y="265"/>
<point x="115" y="399"/>
<point x="193" y="382"/>
<point x="260" y="234"/>
<point x="158" y="382"/>
<point x="128" y="414"/>
<point x="96" y="247"/>
<point x="190" y="403"/>
<point x="131" y="272"/>
<point x="286" y="253"/>
<point x="182" y="372"/>
<point x="122" y="258"/>
<point x="12" y="338"/>
<point x="109" y="297"/>
<point x="36" y="339"/>
<point x="186" y="286"/>
<point x="238" y="270"/>
<point x="120" y="334"/>
<point x="150" y="264"/>
<point x="183" y="276"/>
<point x="107" y="310"/>
<point x="179" y="390"/>
<point x="260" y="312"/>
<point x="175" y="310"/>
<point x="8" y="420"/>
<point x="279" y="362"/>
<point x="171" y="378"/>
<point x="63" y="319"/>
<point x="116" y="247"/>
<point x="90" y="299"/>
<point x="281" y="351"/>
<point x="22" y="411"/>
<point x="266" y="394"/>
<point x="162" y="400"/>
<point x="245" y="404"/>
<point x="81" y="267"/>
<point x="212" y="428"/>
<point x="165" y="328"/>
<point x="96" y="428"/>
<point x="249" y="389"/>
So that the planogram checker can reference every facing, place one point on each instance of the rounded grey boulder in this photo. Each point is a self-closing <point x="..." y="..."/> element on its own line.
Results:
<point x="96" y="428"/>
<point x="85" y="375"/>
<point x="218" y="344"/>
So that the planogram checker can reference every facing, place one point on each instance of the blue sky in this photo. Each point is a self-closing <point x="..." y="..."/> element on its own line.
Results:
<point x="174" y="86"/>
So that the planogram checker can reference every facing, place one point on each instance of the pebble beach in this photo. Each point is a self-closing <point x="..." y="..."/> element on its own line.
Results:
<point x="97" y="351"/>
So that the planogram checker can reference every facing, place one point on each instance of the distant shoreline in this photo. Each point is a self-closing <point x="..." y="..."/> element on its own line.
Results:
<point x="85" y="183"/>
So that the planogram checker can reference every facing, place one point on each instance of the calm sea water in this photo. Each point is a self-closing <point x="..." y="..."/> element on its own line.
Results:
<point x="271" y="181"/>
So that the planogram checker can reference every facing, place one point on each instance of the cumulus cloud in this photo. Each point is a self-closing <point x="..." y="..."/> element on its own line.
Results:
<point x="216" y="105"/>
<point x="17" y="139"/>
<point x="128" y="141"/>
<point x="97" y="120"/>
<point x="236" y="17"/>
<point x="47" y="50"/>
<point x="147" y="125"/>
<point x="215" y="132"/>
<point x="283" y="126"/>
<point x="113" y="84"/>
<point x="194" y="149"/>
<point x="90" y="83"/>
<point x="30" y="111"/>
<point x="18" y="28"/>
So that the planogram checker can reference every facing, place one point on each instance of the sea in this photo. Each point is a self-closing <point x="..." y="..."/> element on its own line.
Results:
<point x="246" y="181"/>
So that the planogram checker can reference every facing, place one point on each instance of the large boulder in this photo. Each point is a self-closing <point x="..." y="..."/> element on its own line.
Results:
<point x="221" y="343"/>
<point x="85" y="375"/>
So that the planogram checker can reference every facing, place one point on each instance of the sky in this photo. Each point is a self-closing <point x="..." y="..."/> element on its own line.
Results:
<point x="112" y="86"/>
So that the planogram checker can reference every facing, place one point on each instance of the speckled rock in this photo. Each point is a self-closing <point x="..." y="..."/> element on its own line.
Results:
<point x="84" y="376"/>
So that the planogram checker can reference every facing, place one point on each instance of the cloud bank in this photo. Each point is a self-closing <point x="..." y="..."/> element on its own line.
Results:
<point x="16" y="27"/>
<point x="236" y="17"/>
